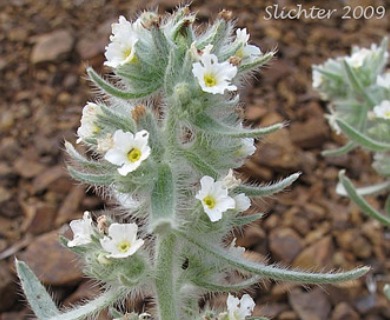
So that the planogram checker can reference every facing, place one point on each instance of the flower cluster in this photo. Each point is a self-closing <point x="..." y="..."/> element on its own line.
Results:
<point x="120" y="242"/>
<point x="163" y="147"/>
<point x="216" y="200"/>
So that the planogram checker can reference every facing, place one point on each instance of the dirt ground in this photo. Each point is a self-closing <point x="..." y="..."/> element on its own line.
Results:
<point x="44" y="87"/>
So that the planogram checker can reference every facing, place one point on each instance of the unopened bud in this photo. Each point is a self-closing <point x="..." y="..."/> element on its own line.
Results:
<point x="149" y="19"/>
<point x="138" y="112"/>
<point x="102" y="224"/>
<point x="225" y="15"/>
<point x="235" y="61"/>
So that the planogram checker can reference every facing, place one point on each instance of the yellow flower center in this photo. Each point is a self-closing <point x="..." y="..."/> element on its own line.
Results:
<point x="387" y="114"/>
<point x="209" y="80"/>
<point x="123" y="246"/>
<point x="240" y="53"/>
<point x="95" y="129"/>
<point x="128" y="55"/>
<point x="134" y="155"/>
<point x="209" y="201"/>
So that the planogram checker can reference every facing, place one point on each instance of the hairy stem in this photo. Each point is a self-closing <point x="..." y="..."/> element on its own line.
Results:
<point x="165" y="288"/>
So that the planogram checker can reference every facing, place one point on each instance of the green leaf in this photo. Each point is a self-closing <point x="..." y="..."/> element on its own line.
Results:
<point x="271" y="272"/>
<point x="81" y="160"/>
<point x="91" y="178"/>
<point x="117" y="120"/>
<point x="208" y="124"/>
<point x="263" y="191"/>
<point x="356" y="84"/>
<point x="370" y="190"/>
<point x="163" y="200"/>
<point x="93" y="307"/>
<point x="36" y="294"/>
<point x="257" y="63"/>
<point x="218" y="287"/>
<point x="361" y="138"/>
<point x="114" y="91"/>
<point x="360" y="201"/>
<point x="386" y="290"/>
<point x="202" y="166"/>
<point x="339" y="151"/>
<point x="387" y="205"/>
<point x="248" y="219"/>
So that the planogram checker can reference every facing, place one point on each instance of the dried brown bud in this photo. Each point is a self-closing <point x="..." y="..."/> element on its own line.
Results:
<point x="138" y="112"/>
<point x="102" y="224"/>
<point x="186" y="10"/>
<point x="149" y="20"/>
<point x="225" y="15"/>
<point x="235" y="61"/>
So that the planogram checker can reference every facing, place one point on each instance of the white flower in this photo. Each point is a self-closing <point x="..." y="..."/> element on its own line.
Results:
<point x="242" y="202"/>
<point x="82" y="230"/>
<point x="317" y="78"/>
<point x="383" y="110"/>
<point x="124" y="38"/>
<point x="356" y="60"/>
<point x="246" y="50"/>
<point x="196" y="54"/>
<point x="384" y="80"/>
<point x="230" y="181"/>
<point x="214" y="198"/>
<point x="214" y="77"/>
<point x="239" y="309"/>
<point x="247" y="149"/>
<point x="128" y="151"/>
<point x="88" y="121"/>
<point x="122" y="240"/>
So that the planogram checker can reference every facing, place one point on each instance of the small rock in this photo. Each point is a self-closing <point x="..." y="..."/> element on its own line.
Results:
<point x="270" y="310"/>
<point x="344" y="311"/>
<point x="8" y="291"/>
<point x="313" y="305"/>
<point x="310" y="134"/>
<point x="70" y="205"/>
<point x="51" y="262"/>
<point x="285" y="244"/>
<point x="42" y="181"/>
<point x="94" y="44"/>
<point x="52" y="47"/>
<point x="5" y="195"/>
<point x="39" y="217"/>
<point x="28" y="169"/>
<point x="319" y="254"/>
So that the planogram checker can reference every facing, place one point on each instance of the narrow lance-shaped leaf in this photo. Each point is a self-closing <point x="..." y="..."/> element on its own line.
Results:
<point x="360" y="201"/>
<point x="356" y="85"/>
<point x="361" y="138"/>
<point x="262" y="191"/>
<point x="37" y="296"/>
<point x="112" y="90"/>
<point x="272" y="272"/>
<point x="340" y="151"/>
<point x="93" y="307"/>
<point x="370" y="190"/>
<point x="163" y="200"/>
<point x="208" y="124"/>
<point x="245" y="220"/>
<point x="81" y="160"/>
<point x="117" y="120"/>
<point x="218" y="287"/>
<point x="91" y="178"/>
<point x="200" y="164"/>
<point x="256" y="63"/>
<point x="386" y="290"/>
